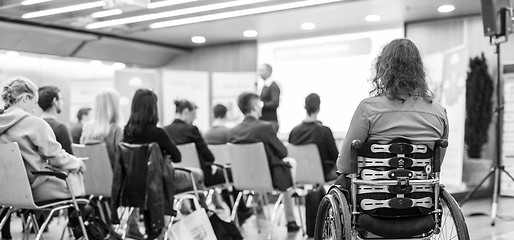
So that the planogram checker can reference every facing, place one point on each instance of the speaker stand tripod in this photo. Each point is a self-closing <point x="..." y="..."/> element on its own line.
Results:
<point x="497" y="167"/>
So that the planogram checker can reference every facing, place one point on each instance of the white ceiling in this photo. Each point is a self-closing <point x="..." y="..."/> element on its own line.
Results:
<point x="346" y="15"/>
<point x="68" y="35"/>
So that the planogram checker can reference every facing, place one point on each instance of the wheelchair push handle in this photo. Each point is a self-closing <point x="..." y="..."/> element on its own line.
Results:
<point x="356" y="145"/>
<point x="439" y="144"/>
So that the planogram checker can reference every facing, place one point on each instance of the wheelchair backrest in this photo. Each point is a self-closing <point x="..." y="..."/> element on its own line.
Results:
<point x="386" y="172"/>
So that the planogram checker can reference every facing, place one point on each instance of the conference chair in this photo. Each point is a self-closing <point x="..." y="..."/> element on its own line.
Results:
<point x="190" y="158"/>
<point x="17" y="193"/>
<point x="133" y="189"/>
<point x="98" y="177"/>
<point x="250" y="171"/>
<point x="309" y="169"/>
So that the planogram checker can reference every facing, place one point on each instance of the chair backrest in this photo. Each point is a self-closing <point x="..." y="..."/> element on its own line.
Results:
<point x="189" y="155"/>
<point x="220" y="153"/>
<point x="15" y="190"/>
<point x="250" y="168"/>
<point x="98" y="177"/>
<point x="309" y="169"/>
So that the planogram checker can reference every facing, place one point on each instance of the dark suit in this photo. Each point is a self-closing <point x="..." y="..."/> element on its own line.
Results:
<point x="181" y="133"/>
<point x="270" y="96"/>
<point x="252" y="130"/>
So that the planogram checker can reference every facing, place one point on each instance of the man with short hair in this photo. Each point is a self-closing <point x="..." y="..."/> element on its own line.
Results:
<point x="253" y="130"/>
<point x="270" y="95"/>
<point x="218" y="134"/>
<point x="311" y="130"/>
<point x="76" y="130"/>
<point x="51" y="101"/>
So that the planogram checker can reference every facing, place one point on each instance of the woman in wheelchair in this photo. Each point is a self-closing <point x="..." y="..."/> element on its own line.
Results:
<point x="390" y="160"/>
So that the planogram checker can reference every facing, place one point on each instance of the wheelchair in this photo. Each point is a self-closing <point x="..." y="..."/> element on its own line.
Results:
<point x="393" y="192"/>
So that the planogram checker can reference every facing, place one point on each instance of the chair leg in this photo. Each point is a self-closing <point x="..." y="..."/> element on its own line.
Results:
<point x="168" y="226"/>
<point x="35" y="226"/>
<point x="236" y="205"/>
<point x="124" y="235"/>
<point x="123" y="211"/>
<point x="8" y="211"/>
<point x="300" y="214"/>
<point x="265" y="209"/>
<point x="276" y="207"/>
<point x="45" y="223"/>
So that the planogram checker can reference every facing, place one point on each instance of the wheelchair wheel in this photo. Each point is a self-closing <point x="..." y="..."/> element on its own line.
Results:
<point x="333" y="220"/>
<point x="453" y="224"/>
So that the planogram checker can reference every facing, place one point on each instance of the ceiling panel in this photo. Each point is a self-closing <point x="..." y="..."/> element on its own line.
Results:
<point x="338" y="17"/>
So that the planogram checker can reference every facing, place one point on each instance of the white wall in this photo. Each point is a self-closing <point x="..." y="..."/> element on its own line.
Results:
<point x="335" y="67"/>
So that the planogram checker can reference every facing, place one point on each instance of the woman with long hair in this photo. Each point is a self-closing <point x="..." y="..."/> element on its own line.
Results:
<point x="401" y="105"/>
<point x="142" y="128"/>
<point x="105" y="126"/>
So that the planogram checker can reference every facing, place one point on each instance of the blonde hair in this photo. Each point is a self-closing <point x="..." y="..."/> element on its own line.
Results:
<point x="106" y="113"/>
<point x="17" y="88"/>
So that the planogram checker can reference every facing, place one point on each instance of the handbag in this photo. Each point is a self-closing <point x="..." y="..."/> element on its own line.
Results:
<point x="96" y="228"/>
<point x="195" y="226"/>
<point x="224" y="230"/>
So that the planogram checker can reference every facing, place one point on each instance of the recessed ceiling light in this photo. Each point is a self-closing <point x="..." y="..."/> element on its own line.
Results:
<point x="372" y="18"/>
<point x="12" y="54"/>
<point x="106" y="13"/>
<point x="308" y="26"/>
<point x="166" y="3"/>
<point x="198" y="39"/>
<point x="31" y="2"/>
<point x="96" y="62"/>
<point x="118" y="65"/>
<point x="250" y="33"/>
<point x="172" y="13"/>
<point x="446" y="8"/>
<point x="70" y="8"/>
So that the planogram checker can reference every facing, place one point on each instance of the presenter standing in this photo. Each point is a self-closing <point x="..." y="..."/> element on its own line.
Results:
<point x="270" y="95"/>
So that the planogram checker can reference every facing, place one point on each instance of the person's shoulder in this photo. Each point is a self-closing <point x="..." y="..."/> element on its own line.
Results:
<point x="36" y="121"/>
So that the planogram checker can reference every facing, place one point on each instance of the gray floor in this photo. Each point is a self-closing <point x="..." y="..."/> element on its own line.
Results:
<point x="479" y="225"/>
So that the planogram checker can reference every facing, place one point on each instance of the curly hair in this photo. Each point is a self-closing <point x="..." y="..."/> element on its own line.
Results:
<point x="398" y="71"/>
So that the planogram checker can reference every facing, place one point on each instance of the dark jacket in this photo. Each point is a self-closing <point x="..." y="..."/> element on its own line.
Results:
<point x="181" y="133"/>
<point x="315" y="132"/>
<point x="270" y="96"/>
<point x="142" y="178"/>
<point x="62" y="134"/>
<point x="252" y="130"/>
<point x="217" y="135"/>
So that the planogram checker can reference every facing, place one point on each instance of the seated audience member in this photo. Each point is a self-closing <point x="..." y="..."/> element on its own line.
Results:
<point x="76" y="130"/>
<point x="218" y="134"/>
<point x="105" y="126"/>
<point x="253" y="130"/>
<point x="51" y="101"/>
<point x="182" y="131"/>
<point x="142" y="128"/>
<point x="37" y="143"/>
<point x="311" y="130"/>
<point x="401" y="105"/>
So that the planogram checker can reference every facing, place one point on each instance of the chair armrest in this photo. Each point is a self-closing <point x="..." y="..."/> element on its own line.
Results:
<point x="439" y="144"/>
<point x="52" y="172"/>
<point x="356" y="145"/>
<point x="183" y="169"/>
<point x="221" y="166"/>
